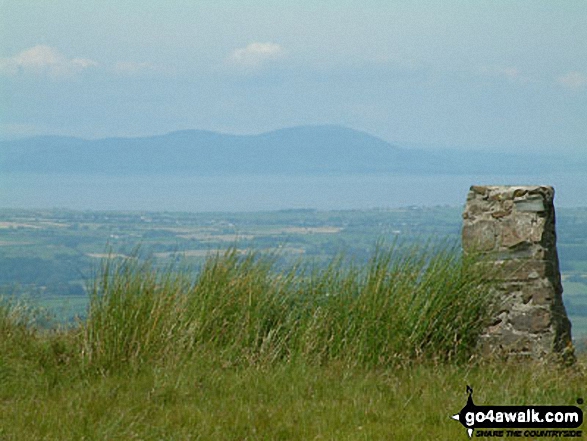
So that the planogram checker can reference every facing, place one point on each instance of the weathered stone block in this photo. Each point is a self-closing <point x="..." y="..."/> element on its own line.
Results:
<point x="505" y="343"/>
<point x="514" y="226"/>
<point x="539" y="293"/>
<point x="535" y="204"/>
<point x="479" y="189"/>
<point x="523" y="269"/>
<point x="534" y="320"/>
<point x="515" y="230"/>
<point x="480" y="236"/>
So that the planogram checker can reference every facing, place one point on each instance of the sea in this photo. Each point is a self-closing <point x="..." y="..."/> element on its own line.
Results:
<point x="236" y="193"/>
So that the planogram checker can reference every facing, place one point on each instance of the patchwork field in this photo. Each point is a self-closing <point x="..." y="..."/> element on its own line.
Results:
<point x="50" y="256"/>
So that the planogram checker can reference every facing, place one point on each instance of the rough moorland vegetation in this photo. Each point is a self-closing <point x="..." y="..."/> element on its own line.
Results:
<point x="243" y="351"/>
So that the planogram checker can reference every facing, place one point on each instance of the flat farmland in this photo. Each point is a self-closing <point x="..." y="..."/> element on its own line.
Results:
<point x="50" y="257"/>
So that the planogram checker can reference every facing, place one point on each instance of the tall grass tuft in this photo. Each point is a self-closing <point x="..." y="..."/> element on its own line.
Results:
<point x="17" y="331"/>
<point x="412" y="304"/>
<point x="419" y="303"/>
<point x="135" y="314"/>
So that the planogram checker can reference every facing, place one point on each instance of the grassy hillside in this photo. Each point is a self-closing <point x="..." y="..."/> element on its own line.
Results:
<point x="244" y="351"/>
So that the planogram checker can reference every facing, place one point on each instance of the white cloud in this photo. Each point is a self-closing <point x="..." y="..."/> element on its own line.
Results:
<point x="573" y="80"/>
<point x="43" y="59"/>
<point x="255" y="54"/>
<point x="131" y="67"/>
<point x="509" y="72"/>
<point x="83" y="63"/>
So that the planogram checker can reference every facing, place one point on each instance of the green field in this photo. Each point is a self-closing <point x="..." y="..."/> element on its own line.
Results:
<point x="209" y="399"/>
<point x="253" y="351"/>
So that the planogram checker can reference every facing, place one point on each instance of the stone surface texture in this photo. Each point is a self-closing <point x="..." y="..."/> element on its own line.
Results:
<point x="514" y="227"/>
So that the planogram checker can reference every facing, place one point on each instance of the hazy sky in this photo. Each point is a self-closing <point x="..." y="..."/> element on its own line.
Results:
<point x="466" y="74"/>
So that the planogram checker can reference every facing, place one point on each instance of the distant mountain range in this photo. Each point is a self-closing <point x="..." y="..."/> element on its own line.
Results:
<point x="297" y="150"/>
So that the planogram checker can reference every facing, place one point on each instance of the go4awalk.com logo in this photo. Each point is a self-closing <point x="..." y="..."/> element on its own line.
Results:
<point x="520" y="421"/>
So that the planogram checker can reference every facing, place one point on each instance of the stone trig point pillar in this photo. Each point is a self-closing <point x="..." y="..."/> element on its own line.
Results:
<point x="514" y="227"/>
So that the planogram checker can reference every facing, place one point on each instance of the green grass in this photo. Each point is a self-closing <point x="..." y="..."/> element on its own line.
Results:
<point x="405" y="305"/>
<point x="242" y="351"/>
<point x="207" y="399"/>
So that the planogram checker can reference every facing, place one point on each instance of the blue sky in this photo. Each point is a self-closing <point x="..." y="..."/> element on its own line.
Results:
<point x="462" y="74"/>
